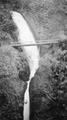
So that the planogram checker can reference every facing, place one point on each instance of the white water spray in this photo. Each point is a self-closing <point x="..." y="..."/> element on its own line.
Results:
<point x="25" y="36"/>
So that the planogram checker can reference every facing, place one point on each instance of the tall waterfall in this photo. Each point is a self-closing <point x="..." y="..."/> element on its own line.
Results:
<point x="25" y="36"/>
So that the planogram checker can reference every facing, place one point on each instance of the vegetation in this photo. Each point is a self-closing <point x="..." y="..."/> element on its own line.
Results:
<point x="48" y="88"/>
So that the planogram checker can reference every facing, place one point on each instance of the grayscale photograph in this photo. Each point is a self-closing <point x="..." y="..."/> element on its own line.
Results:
<point x="33" y="59"/>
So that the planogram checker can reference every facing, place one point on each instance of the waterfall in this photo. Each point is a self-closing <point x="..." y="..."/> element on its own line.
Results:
<point x="25" y="36"/>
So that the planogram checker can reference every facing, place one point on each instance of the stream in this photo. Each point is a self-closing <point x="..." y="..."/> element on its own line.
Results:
<point x="25" y="36"/>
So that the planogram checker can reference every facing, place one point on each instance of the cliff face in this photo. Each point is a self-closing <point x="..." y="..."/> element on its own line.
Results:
<point x="48" y="92"/>
<point x="48" y="88"/>
<point x="14" y="68"/>
<point x="47" y="19"/>
<point x="14" y="72"/>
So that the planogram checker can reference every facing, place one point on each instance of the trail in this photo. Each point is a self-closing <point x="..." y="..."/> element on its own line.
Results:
<point x="25" y="36"/>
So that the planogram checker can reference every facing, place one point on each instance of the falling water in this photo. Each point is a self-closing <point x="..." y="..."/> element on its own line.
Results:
<point x="25" y="36"/>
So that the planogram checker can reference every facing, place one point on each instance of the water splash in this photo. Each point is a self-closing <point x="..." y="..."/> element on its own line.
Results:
<point x="25" y="36"/>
